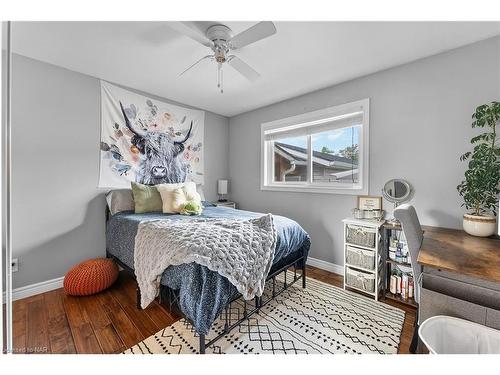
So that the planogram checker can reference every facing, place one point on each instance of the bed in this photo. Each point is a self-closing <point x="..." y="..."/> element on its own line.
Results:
<point x="195" y="292"/>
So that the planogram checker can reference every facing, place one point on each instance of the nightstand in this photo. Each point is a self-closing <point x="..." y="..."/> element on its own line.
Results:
<point x="225" y="204"/>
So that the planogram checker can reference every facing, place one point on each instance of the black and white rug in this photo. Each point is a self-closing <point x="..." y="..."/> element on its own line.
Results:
<point x="319" y="319"/>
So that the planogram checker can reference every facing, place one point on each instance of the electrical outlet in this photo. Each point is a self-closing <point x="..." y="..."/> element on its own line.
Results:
<point x="15" y="265"/>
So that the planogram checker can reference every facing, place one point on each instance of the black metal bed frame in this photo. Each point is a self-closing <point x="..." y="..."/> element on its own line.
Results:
<point x="171" y="296"/>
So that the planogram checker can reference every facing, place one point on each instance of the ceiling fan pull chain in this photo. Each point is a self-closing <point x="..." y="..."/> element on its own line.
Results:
<point x="218" y="75"/>
<point x="220" y="78"/>
<point x="221" y="81"/>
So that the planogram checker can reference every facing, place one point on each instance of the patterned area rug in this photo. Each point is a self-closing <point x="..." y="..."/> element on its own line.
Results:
<point x="319" y="319"/>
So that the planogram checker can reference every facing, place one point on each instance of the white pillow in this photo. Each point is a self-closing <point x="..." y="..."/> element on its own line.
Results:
<point x="178" y="199"/>
<point x="199" y="189"/>
<point x="174" y="196"/>
<point x="167" y="196"/>
<point x="191" y="192"/>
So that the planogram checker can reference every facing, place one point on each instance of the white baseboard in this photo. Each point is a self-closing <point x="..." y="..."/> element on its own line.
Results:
<point x="47" y="286"/>
<point x="33" y="289"/>
<point x="327" y="266"/>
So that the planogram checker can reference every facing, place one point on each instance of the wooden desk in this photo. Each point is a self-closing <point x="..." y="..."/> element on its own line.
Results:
<point x="461" y="276"/>
<point x="456" y="251"/>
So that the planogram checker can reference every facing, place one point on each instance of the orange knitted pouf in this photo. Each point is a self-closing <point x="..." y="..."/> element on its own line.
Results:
<point x="90" y="277"/>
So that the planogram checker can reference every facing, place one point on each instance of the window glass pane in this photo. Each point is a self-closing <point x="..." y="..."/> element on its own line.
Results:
<point x="335" y="155"/>
<point x="290" y="159"/>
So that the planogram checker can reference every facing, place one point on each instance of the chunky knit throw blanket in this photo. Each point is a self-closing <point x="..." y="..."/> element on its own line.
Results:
<point x="240" y="250"/>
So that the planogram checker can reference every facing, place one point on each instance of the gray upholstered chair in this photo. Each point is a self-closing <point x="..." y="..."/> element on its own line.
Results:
<point x="412" y="230"/>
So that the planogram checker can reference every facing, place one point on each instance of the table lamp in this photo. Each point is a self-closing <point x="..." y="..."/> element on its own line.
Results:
<point x="222" y="190"/>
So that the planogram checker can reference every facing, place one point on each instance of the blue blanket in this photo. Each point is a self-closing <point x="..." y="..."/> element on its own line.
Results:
<point x="202" y="293"/>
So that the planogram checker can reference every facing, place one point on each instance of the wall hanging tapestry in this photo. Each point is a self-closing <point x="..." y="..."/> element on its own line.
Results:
<point x="148" y="141"/>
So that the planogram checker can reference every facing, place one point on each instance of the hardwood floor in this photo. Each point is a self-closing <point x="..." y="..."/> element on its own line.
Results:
<point x="109" y="322"/>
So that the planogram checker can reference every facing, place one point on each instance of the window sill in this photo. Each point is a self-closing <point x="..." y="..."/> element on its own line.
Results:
<point x="316" y="189"/>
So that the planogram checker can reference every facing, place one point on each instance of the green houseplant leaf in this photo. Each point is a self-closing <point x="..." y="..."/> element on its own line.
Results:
<point x="481" y="187"/>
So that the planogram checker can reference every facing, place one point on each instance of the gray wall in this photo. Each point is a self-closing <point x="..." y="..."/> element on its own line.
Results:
<point x="420" y="124"/>
<point x="420" y="115"/>
<point x="58" y="213"/>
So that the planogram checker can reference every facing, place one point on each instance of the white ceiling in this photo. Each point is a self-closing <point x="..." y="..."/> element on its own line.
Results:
<point x="300" y="58"/>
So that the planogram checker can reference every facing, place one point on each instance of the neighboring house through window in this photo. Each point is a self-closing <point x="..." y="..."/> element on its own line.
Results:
<point x="324" y="151"/>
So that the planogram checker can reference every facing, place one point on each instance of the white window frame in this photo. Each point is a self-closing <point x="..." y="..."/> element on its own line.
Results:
<point x="267" y="160"/>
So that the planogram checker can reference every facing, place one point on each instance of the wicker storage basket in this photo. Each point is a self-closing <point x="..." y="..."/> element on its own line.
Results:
<point x="360" y="257"/>
<point x="361" y="280"/>
<point x="359" y="235"/>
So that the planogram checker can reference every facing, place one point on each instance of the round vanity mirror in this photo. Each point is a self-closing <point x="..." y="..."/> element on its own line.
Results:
<point x="397" y="191"/>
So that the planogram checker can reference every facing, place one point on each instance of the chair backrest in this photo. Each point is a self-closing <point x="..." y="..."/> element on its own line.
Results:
<point x="412" y="230"/>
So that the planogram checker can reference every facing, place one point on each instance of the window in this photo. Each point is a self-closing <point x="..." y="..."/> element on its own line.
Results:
<point x="324" y="151"/>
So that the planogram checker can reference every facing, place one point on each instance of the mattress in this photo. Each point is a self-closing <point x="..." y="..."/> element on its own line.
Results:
<point x="202" y="293"/>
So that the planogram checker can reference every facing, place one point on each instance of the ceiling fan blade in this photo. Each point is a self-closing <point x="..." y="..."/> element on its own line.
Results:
<point x="197" y="62"/>
<point x="191" y="30"/>
<point x="243" y="68"/>
<point x="253" y="34"/>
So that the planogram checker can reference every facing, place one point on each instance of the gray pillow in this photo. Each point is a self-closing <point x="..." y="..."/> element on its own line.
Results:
<point x="120" y="200"/>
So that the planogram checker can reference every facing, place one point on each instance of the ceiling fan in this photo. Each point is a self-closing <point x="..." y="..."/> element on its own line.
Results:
<point x="219" y="38"/>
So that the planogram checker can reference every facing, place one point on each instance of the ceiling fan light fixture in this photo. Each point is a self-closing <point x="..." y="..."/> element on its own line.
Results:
<point x="220" y="39"/>
<point x="220" y="56"/>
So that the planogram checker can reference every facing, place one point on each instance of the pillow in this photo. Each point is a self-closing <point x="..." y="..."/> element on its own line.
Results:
<point x="175" y="196"/>
<point x="191" y="192"/>
<point x="167" y="197"/>
<point x="192" y="208"/>
<point x="192" y="203"/>
<point x="120" y="200"/>
<point x="179" y="200"/>
<point x="199" y="189"/>
<point x="146" y="198"/>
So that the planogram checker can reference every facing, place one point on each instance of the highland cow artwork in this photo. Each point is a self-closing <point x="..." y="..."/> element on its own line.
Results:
<point x="148" y="141"/>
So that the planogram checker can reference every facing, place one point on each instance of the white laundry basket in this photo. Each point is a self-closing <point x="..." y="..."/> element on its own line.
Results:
<point x="447" y="335"/>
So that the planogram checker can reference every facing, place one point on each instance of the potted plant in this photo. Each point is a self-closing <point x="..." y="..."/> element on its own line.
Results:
<point x="481" y="187"/>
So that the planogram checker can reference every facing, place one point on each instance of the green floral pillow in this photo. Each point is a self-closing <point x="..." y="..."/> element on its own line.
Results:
<point x="192" y="208"/>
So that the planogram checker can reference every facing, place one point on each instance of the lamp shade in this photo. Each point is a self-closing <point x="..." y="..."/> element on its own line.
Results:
<point x="222" y="187"/>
